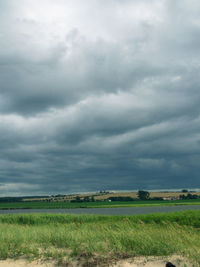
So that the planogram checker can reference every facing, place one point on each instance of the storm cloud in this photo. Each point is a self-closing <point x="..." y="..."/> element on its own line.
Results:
<point x="99" y="94"/>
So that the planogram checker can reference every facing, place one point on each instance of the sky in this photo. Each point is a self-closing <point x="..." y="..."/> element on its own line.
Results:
<point x="99" y="95"/>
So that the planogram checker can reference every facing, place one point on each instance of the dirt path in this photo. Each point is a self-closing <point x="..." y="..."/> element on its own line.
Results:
<point x="23" y="263"/>
<point x="154" y="262"/>
<point x="136" y="262"/>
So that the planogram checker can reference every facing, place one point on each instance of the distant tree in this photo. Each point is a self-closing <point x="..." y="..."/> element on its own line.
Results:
<point x="143" y="195"/>
<point x="157" y="198"/>
<point x="86" y="199"/>
<point x="192" y="196"/>
<point x="184" y="191"/>
<point x="121" y="198"/>
<point x="78" y="198"/>
<point x="182" y="197"/>
<point x="189" y="196"/>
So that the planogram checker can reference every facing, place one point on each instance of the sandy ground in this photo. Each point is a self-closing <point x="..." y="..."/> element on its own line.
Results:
<point x="136" y="262"/>
<point x="23" y="263"/>
<point x="154" y="262"/>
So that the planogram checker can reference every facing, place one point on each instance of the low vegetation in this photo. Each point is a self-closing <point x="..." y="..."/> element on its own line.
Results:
<point x="105" y="196"/>
<point x="100" y="238"/>
<point x="97" y="204"/>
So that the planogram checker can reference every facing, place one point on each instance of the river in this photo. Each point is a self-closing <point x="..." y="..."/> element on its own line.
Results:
<point x="107" y="211"/>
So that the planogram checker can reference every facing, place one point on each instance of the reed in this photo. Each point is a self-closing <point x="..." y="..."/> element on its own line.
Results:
<point x="65" y="237"/>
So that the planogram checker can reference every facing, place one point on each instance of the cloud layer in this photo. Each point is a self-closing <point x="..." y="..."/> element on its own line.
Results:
<point x="100" y="95"/>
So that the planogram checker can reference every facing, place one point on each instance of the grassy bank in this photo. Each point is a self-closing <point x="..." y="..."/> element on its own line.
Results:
<point x="100" y="238"/>
<point x="100" y="204"/>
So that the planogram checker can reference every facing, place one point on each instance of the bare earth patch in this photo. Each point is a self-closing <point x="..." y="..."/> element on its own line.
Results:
<point x="136" y="262"/>
<point x="154" y="262"/>
<point x="24" y="263"/>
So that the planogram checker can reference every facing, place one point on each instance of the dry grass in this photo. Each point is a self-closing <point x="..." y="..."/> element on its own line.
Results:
<point x="100" y="196"/>
<point x="152" y="194"/>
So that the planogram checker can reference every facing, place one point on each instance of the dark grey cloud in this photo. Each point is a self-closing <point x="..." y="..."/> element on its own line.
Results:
<point x="100" y="95"/>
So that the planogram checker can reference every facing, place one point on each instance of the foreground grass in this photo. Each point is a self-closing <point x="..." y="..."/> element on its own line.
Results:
<point x="101" y="204"/>
<point x="100" y="238"/>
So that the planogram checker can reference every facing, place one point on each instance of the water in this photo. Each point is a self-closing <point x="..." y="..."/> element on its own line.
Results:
<point x="107" y="211"/>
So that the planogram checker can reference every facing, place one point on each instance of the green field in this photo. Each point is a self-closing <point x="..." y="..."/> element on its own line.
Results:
<point x="100" y="204"/>
<point x="100" y="238"/>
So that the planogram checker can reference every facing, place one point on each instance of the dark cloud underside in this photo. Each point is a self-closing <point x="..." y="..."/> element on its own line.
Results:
<point x="100" y="95"/>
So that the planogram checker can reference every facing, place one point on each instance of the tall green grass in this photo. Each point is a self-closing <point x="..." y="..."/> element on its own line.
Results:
<point x="189" y="217"/>
<point x="63" y="237"/>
